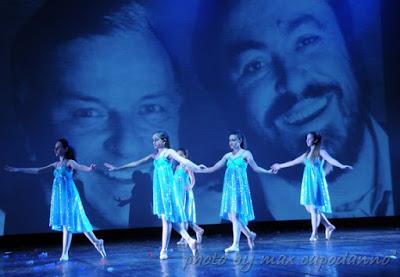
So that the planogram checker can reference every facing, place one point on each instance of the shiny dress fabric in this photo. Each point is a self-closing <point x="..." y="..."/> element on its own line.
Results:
<point x="182" y="180"/>
<point x="314" y="189"/>
<point x="66" y="206"/>
<point x="167" y="200"/>
<point x="236" y="197"/>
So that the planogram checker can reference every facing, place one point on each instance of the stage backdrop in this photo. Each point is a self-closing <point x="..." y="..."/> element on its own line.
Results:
<point x="107" y="74"/>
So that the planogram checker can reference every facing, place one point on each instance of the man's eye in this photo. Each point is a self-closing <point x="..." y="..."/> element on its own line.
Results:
<point x="253" y="67"/>
<point x="87" y="113"/>
<point x="304" y="42"/>
<point x="150" y="109"/>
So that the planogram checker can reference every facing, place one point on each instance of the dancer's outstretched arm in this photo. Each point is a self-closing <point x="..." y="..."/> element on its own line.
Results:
<point x="277" y="166"/>
<point x="249" y="157"/>
<point x="129" y="165"/>
<point x="80" y="167"/>
<point x="185" y="162"/>
<point x="29" y="170"/>
<point x="216" y="166"/>
<point x="332" y="161"/>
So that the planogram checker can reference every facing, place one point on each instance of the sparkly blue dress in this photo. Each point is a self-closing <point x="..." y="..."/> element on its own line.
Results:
<point x="66" y="206"/>
<point x="236" y="197"/>
<point x="167" y="199"/>
<point x="182" y="180"/>
<point x="314" y="189"/>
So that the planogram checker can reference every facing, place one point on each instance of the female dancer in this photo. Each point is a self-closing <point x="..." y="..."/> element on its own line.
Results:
<point x="184" y="179"/>
<point x="314" y="189"/>
<point x="167" y="203"/>
<point x="66" y="210"/>
<point x="236" y="203"/>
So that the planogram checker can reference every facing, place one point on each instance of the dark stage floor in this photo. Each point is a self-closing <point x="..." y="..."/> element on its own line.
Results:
<point x="351" y="252"/>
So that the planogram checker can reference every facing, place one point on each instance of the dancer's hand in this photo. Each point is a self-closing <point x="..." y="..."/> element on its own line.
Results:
<point x="270" y="171"/>
<point x="275" y="168"/>
<point x="10" y="168"/>
<point x="346" y="167"/>
<point x="189" y="187"/>
<point x="110" y="167"/>
<point x="92" y="167"/>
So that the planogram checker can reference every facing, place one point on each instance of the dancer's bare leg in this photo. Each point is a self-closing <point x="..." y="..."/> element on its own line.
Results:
<point x="98" y="243"/>
<point x="329" y="227"/>
<point x="251" y="236"/>
<point x="66" y="244"/>
<point x="318" y="218"/>
<point x="166" y="234"/>
<point x="182" y="240"/>
<point x="236" y="233"/>
<point x="191" y="242"/>
<point x="199" y="232"/>
<point x="314" y="221"/>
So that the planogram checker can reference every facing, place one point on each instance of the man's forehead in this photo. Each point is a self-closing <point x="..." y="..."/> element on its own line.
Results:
<point x="256" y="15"/>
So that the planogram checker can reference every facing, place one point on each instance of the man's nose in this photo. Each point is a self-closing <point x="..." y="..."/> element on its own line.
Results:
<point x="122" y="140"/>
<point x="290" y="77"/>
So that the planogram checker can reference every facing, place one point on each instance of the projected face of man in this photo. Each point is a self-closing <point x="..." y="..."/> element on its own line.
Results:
<point x="114" y="92"/>
<point x="289" y="62"/>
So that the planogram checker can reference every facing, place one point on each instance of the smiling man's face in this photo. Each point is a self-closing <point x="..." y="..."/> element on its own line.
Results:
<point x="291" y="66"/>
<point x="108" y="94"/>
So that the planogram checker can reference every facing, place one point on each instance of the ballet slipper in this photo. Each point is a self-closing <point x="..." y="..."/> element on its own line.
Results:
<point x="328" y="232"/>
<point x="163" y="255"/>
<point x="233" y="248"/>
<point x="251" y="239"/>
<point x="194" y="247"/>
<point x="199" y="236"/>
<point x="100" y="247"/>
<point x="64" y="258"/>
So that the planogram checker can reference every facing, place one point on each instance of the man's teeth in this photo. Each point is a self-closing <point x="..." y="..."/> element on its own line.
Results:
<point x="305" y="109"/>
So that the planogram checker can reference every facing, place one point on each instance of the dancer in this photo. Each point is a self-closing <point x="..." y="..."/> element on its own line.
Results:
<point x="66" y="210"/>
<point x="185" y="180"/>
<point x="314" y="194"/>
<point x="167" y="203"/>
<point x="236" y="203"/>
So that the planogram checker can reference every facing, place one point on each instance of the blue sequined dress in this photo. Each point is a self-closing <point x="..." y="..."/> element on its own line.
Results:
<point x="66" y="206"/>
<point x="314" y="189"/>
<point x="167" y="200"/>
<point x="236" y="197"/>
<point x="182" y="180"/>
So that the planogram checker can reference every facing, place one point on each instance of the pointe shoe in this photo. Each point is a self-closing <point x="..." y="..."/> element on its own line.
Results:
<point x="194" y="247"/>
<point x="232" y="249"/>
<point x="64" y="258"/>
<point x="251" y="239"/>
<point x="199" y="236"/>
<point x="163" y="255"/>
<point x="182" y="242"/>
<point x="100" y="247"/>
<point x="328" y="232"/>
<point x="313" y="238"/>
